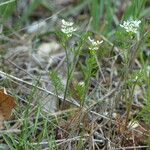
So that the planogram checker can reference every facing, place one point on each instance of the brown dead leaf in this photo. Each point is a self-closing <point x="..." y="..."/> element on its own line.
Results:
<point x="7" y="103"/>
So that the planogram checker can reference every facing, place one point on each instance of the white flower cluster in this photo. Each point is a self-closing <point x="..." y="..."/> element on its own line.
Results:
<point x="94" y="44"/>
<point x="131" y="25"/>
<point x="67" y="28"/>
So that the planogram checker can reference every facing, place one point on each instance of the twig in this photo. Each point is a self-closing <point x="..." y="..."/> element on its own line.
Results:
<point x="31" y="84"/>
<point x="59" y="142"/>
<point x="132" y="147"/>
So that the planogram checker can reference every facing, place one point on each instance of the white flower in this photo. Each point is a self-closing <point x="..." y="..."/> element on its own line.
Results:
<point x="94" y="44"/>
<point x="65" y="23"/>
<point x="131" y="25"/>
<point x="67" y="28"/>
<point x="82" y="84"/>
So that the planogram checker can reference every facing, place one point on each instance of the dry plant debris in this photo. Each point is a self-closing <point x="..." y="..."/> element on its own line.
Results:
<point x="28" y="57"/>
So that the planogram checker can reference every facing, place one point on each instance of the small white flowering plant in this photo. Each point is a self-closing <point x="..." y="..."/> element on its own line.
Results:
<point x="128" y="33"/>
<point x="94" y="45"/>
<point x="131" y="25"/>
<point x="72" y="46"/>
<point x="67" y="28"/>
<point x="91" y="65"/>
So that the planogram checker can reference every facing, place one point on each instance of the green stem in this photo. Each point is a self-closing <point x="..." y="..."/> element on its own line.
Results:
<point x="71" y="70"/>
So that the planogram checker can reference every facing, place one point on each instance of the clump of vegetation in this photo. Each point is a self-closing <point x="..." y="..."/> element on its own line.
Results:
<point x="79" y="74"/>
